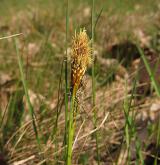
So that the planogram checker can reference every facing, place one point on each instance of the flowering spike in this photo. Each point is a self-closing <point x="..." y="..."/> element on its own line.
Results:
<point x="80" y="57"/>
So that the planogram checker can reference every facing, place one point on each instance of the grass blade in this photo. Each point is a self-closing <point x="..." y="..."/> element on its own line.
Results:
<point x="150" y="72"/>
<point x="30" y="107"/>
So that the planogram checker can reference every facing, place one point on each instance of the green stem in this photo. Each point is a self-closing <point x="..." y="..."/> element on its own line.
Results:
<point x="66" y="76"/>
<point x="71" y="127"/>
<point x="93" y="84"/>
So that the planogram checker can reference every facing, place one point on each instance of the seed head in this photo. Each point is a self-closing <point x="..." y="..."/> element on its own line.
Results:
<point x="80" y="57"/>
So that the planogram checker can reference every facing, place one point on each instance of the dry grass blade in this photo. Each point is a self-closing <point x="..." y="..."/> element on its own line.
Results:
<point x="94" y="130"/>
<point x="11" y="36"/>
<point x="22" y="162"/>
<point x="77" y="135"/>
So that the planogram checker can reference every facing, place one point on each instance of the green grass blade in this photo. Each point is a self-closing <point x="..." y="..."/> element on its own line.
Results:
<point x="96" y="22"/>
<point x="31" y="110"/>
<point x="58" y="106"/>
<point x="150" y="72"/>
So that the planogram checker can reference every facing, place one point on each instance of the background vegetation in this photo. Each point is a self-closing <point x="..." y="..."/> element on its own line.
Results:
<point x="32" y="108"/>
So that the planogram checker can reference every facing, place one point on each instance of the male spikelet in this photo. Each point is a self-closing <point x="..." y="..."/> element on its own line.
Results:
<point x="80" y="57"/>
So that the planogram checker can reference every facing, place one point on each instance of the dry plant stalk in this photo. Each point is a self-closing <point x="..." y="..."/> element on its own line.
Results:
<point x="80" y="57"/>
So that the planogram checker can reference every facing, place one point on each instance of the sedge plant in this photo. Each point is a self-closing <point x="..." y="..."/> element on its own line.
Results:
<point x="80" y="59"/>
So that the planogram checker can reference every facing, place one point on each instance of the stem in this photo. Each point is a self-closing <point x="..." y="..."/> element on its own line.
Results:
<point x="66" y="76"/>
<point x="93" y="84"/>
<point x="71" y="127"/>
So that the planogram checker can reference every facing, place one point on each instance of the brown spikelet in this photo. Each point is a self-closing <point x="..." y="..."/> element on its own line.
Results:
<point x="80" y="58"/>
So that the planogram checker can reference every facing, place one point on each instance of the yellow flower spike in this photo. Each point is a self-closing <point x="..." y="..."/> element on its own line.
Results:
<point x="80" y="57"/>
